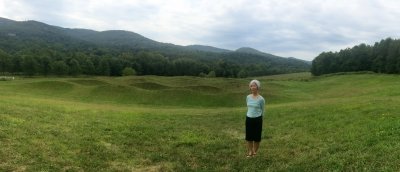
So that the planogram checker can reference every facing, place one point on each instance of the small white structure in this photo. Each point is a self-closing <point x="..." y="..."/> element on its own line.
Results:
<point x="7" y="78"/>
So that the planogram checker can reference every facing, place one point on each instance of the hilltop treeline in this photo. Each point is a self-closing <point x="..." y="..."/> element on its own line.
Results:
<point x="382" y="57"/>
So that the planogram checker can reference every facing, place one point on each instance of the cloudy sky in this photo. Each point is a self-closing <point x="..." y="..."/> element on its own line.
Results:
<point x="288" y="28"/>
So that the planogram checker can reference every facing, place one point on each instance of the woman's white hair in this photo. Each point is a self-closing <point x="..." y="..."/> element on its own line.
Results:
<point x="255" y="82"/>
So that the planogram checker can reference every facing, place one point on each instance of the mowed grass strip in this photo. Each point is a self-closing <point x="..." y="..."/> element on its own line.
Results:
<point x="335" y="123"/>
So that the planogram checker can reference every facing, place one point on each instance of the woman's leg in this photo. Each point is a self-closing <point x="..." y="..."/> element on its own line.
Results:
<point x="258" y="132"/>
<point x="255" y="147"/>
<point x="250" y="148"/>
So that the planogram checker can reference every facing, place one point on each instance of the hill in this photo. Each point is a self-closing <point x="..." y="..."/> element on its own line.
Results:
<point x="36" y="40"/>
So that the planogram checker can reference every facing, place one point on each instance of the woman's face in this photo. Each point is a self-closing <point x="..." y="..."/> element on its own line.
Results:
<point x="253" y="87"/>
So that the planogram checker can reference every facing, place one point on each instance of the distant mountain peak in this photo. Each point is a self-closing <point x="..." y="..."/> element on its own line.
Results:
<point x="248" y="50"/>
<point x="207" y="48"/>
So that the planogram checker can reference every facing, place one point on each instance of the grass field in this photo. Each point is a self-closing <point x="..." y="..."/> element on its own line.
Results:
<point x="149" y="123"/>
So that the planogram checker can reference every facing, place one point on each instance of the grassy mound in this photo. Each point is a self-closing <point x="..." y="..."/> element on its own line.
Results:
<point x="47" y="87"/>
<point x="150" y="86"/>
<point x="88" y="82"/>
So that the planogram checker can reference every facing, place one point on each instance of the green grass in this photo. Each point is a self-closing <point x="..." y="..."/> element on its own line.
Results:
<point x="149" y="123"/>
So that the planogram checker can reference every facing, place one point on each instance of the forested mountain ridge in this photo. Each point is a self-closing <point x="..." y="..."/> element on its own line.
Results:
<point x="115" y="38"/>
<point x="31" y="47"/>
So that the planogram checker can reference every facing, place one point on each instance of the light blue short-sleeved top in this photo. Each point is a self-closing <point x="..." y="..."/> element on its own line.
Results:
<point x="255" y="106"/>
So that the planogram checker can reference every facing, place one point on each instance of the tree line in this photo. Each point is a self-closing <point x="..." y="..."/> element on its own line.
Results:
<point x="103" y="63"/>
<point x="382" y="57"/>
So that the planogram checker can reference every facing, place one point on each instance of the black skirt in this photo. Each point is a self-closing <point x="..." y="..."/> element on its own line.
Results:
<point x="254" y="128"/>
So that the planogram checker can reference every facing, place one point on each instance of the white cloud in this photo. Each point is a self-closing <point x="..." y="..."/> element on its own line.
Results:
<point x="15" y="10"/>
<point x="301" y="29"/>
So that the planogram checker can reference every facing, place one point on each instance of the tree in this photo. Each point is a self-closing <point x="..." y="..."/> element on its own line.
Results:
<point x="128" y="71"/>
<point x="242" y="74"/>
<point x="392" y="57"/>
<point x="320" y="65"/>
<point x="227" y="69"/>
<point x="88" y="67"/>
<point x="30" y="65"/>
<point x="115" y="67"/>
<point x="211" y="74"/>
<point x="45" y="66"/>
<point x="74" y="67"/>
<point x="103" y="68"/>
<point x="59" y="68"/>
<point x="5" y="62"/>
<point x="189" y="67"/>
<point x="202" y="74"/>
<point x="16" y="64"/>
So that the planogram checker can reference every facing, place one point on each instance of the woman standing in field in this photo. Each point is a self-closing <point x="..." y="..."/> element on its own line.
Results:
<point x="254" y="118"/>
